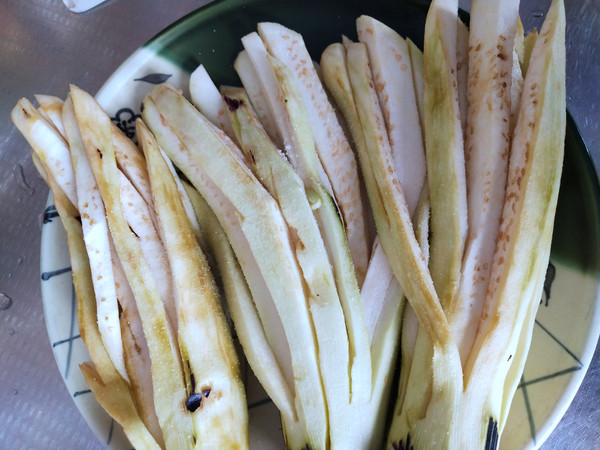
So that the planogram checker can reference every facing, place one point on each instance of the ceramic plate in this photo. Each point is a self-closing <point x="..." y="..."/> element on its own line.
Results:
<point x="567" y="324"/>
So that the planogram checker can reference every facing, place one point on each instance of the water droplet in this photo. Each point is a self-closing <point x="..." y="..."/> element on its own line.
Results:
<point x="15" y="391"/>
<point x="5" y="301"/>
<point x="19" y="261"/>
<point x="11" y="331"/>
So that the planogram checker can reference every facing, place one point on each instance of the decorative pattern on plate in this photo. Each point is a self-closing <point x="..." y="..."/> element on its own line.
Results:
<point x="125" y="118"/>
<point x="61" y="323"/>
<point x="568" y="321"/>
<point x="155" y="78"/>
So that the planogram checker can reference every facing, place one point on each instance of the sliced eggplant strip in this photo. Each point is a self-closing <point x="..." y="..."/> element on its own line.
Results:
<point x="332" y="230"/>
<point x="97" y="240"/>
<point x="331" y="144"/>
<point x="51" y="109"/>
<point x="240" y="305"/>
<point x="255" y="214"/>
<point x="251" y="82"/>
<point x="487" y="149"/>
<point x="167" y="376"/>
<point x="392" y="73"/>
<point x="47" y="143"/>
<point x="444" y="150"/>
<point x="120" y="404"/>
<point x="213" y="368"/>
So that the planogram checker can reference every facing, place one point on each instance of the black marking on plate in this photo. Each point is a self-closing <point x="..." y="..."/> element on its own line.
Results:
<point x="154" y="78"/>
<point x="525" y="383"/>
<point x="551" y="376"/>
<point x="52" y="273"/>
<point x="125" y="119"/>
<point x="72" y="330"/>
<point x="78" y="393"/>
<point x="529" y="409"/>
<point x="50" y="213"/>
<point x="110" y="431"/>
<point x="63" y="341"/>
<point x="550" y="276"/>
<point x="559" y="342"/>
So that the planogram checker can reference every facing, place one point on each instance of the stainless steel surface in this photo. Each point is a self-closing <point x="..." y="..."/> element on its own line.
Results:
<point x="43" y="47"/>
